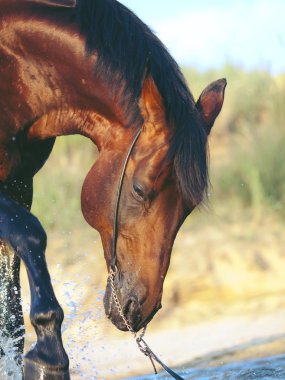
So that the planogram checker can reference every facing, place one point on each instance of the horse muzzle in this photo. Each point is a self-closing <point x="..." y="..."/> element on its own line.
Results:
<point x="126" y="306"/>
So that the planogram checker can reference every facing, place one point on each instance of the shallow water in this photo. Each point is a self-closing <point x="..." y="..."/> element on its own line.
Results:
<point x="265" y="368"/>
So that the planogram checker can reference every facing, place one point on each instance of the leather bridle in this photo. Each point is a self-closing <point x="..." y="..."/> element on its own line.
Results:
<point x="113" y="270"/>
<point x="113" y="263"/>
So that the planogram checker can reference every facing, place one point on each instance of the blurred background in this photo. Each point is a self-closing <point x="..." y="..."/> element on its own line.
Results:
<point x="224" y="292"/>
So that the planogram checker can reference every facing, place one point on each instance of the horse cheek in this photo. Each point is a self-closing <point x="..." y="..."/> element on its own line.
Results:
<point x="88" y="201"/>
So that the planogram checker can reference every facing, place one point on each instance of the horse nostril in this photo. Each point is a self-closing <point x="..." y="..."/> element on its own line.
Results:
<point x="130" y="306"/>
<point x="132" y="311"/>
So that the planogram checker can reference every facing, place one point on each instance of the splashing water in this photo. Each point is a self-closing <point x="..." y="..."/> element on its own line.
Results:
<point x="79" y="322"/>
<point x="11" y="321"/>
<point x="9" y="369"/>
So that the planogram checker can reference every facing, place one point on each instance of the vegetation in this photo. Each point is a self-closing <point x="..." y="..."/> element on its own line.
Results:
<point x="58" y="185"/>
<point x="252" y="129"/>
<point x="247" y="152"/>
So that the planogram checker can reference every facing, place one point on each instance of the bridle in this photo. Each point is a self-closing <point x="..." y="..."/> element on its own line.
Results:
<point x="113" y="270"/>
<point x="113" y="264"/>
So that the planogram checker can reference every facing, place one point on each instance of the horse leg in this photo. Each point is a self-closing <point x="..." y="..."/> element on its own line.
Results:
<point x="12" y="328"/>
<point x="48" y="359"/>
<point x="11" y="317"/>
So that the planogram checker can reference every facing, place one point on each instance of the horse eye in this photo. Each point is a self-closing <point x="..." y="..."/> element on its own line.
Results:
<point x="139" y="192"/>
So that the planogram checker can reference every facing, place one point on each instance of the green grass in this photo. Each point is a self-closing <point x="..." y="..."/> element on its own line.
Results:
<point x="253" y="122"/>
<point x="57" y="187"/>
<point x="255" y="174"/>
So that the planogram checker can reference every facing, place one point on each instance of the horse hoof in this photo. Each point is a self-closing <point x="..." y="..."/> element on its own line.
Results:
<point x="32" y="371"/>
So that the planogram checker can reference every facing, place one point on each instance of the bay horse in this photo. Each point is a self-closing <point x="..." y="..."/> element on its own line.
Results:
<point x="92" y="67"/>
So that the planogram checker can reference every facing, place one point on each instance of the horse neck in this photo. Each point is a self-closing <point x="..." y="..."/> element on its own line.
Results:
<point x="61" y="93"/>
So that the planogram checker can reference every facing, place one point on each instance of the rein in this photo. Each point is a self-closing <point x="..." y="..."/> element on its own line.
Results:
<point x="142" y="345"/>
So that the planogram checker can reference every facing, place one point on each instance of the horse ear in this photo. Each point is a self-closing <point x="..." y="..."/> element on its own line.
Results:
<point x="210" y="103"/>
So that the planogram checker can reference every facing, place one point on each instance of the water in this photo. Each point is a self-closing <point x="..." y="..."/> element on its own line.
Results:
<point x="9" y="369"/>
<point x="256" y="369"/>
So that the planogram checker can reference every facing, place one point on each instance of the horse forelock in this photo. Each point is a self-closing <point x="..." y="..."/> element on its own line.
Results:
<point x="128" y="52"/>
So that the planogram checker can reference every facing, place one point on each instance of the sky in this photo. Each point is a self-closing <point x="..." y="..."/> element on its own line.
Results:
<point x="209" y="33"/>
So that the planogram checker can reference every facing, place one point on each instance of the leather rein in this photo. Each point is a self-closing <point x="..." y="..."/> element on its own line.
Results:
<point x="142" y="345"/>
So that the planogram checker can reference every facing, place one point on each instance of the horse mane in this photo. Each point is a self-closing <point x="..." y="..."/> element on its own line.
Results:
<point x="127" y="52"/>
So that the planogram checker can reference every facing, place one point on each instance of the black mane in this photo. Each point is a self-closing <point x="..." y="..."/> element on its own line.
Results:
<point x="126" y="49"/>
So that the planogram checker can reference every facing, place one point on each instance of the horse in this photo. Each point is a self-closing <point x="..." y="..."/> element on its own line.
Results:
<point x="92" y="67"/>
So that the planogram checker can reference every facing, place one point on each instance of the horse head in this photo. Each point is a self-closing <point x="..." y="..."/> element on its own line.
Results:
<point x="152" y="204"/>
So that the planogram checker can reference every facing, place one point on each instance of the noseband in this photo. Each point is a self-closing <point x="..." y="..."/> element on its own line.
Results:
<point x="142" y="345"/>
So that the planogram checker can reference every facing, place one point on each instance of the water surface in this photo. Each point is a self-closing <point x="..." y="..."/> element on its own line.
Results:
<point x="268" y="368"/>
